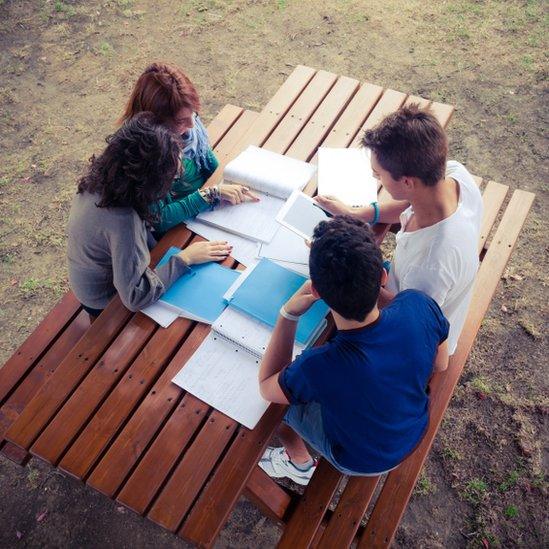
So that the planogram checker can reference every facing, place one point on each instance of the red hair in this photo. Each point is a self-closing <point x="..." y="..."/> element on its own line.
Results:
<point x="163" y="90"/>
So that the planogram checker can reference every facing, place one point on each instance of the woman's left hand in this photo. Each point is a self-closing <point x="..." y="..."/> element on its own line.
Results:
<point x="236" y="194"/>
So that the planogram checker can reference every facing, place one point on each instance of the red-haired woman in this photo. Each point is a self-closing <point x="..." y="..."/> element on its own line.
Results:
<point x="167" y="92"/>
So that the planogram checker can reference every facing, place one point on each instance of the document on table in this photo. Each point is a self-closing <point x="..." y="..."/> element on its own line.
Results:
<point x="224" y="375"/>
<point x="286" y="246"/>
<point x="346" y="174"/>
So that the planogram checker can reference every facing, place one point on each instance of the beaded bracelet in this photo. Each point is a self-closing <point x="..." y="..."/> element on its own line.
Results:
<point x="376" y="212"/>
<point x="212" y="196"/>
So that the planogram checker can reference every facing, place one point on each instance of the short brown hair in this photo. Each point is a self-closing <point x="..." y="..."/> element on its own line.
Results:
<point x="163" y="90"/>
<point x="410" y="142"/>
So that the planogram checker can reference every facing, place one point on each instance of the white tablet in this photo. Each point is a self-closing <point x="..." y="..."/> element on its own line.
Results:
<point x="301" y="214"/>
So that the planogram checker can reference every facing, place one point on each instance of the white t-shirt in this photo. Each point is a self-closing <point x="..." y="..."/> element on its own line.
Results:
<point x="442" y="260"/>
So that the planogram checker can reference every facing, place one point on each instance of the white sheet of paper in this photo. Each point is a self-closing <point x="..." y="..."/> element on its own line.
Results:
<point x="286" y="246"/>
<point x="254" y="220"/>
<point x="268" y="172"/>
<point x="160" y="313"/>
<point x="301" y="214"/>
<point x="244" y="249"/>
<point x="225" y="376"/>
<point x="346" y="174"/>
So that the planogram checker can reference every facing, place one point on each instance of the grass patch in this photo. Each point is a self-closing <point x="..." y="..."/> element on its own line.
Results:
<point x="450" y="453"/>
<point x="424" y="486"/>
<point x="511" y="511"/>
<point x="480" y="383"/>
<point x="509" y="482"/>
<point x="476" y="490"/>
<point x="65" y="9"/>
<point x="106" y="49"/>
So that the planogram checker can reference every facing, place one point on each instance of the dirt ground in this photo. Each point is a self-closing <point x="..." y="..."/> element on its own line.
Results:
<point x="66" y="69"/>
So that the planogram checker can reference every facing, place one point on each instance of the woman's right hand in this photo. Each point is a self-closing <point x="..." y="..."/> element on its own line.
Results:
<point x="202" y="252"/>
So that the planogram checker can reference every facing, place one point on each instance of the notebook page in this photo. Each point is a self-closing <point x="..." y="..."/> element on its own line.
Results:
<point x="347" y="175"/>
<point x="269" y="172"/>
<point x="224" y="376"/>
<point x="301" y="215"/>
<point x="244" y="249"/>
<point x="254" y="220"/>
<point x="286" y="246"/>
<point x="246" y="331"/>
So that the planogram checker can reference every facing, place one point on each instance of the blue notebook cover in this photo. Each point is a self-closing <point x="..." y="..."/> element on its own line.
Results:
<point x="267" y="288"/>
<point x="200" y="292"/>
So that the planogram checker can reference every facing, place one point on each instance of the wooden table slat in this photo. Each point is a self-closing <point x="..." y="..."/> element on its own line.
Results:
<point x="37" y="343"/>
<point x="300" y="112"/>
<point x="224" y="121"/>
<point x="186" y="481"/>
<point x="493" y="197"/>
<point x="417" y="100"/>
<point x="91" y="392"/>
<point x="42" y="371"/>
<point x="118" y="406"/>
<point x="398" y="487"/>
<point x="323" y="118"/>
<point x="144" y="482"/>
<point x="127" y="448"/>
<point x="224" y="149"/>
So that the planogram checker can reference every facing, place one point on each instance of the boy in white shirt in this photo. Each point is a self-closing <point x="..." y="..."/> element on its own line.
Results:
<point x="438" y="206"/>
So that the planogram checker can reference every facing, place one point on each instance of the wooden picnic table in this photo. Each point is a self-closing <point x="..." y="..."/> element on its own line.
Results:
<point x="97" y="400"/>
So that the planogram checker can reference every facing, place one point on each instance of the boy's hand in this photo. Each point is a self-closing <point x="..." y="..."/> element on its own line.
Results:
<point x="333" y="205"/>
<point x="236" y="194"/>
<point x="301" y="301"/>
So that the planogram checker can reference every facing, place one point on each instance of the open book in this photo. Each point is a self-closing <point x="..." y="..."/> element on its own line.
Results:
<point x="273" y="177"/>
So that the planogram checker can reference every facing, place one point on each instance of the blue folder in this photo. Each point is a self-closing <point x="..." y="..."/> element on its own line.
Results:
<point x="199" y="294"/>
<point x="267" y="288"/>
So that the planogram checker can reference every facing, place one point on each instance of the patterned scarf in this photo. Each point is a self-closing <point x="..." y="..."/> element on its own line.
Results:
<point x="196" y="143"/>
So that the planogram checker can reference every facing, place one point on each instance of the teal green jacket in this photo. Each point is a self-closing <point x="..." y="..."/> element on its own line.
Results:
<point x="184" y="201"/>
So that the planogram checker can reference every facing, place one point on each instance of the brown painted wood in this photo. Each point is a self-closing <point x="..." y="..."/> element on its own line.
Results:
<point x="137" y="380"/>
<point x="417" y="100"/>
<point x="222" y="123"/>
<point x="158" y="461"/>
<point x="242" y="125"/>
<point x="87" y="397"/>
<point x="15" y="453"/>
<point x="268" y="496"/>
<point x="442" y="111"/>
<point x="493" y="197"/>
<point x="216" y="501"/>
<point x="42" y="371"/>
<point x="188" y="477"/>
<point x="307" y="518"/>
<point x="143" y="425"/>
<point x="399" y="485"/>
<point x="345" y="520"/>
<point x="300" y="112"/>
<point x="37" y="343"/>
<point x="323" y="119"/>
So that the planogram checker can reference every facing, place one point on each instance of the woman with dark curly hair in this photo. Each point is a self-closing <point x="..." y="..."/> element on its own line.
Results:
<point x="108" y="236"/>
<point x="167" y="92"/>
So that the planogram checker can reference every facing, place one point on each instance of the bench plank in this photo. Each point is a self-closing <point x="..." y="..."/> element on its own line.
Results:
<point x="493" y="197"/>
<point x="399" y="485"/>
<point x="307" y="518"/>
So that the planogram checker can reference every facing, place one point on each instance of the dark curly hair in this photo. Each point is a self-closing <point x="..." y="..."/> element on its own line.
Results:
<point x="137" y="168"/>
<point x="410" y="142"/>
<point x="346" y="266"/>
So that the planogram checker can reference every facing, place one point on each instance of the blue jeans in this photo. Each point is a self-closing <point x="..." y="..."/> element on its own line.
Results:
<point x="306" y="421"/>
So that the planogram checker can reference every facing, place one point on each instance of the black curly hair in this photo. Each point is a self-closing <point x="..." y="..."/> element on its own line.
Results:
<point x="137" y="168"/>
<point x="346" y="266"/>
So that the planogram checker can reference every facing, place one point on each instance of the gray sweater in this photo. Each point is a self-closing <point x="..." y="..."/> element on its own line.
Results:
<point x="108" y="252"/>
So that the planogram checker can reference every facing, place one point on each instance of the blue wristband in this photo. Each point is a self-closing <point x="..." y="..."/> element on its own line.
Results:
<point x="376" y="212"/>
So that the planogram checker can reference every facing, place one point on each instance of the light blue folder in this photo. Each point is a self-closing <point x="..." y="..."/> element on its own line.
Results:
<point x="199" y="294"/>
<point x="267" y="288"/>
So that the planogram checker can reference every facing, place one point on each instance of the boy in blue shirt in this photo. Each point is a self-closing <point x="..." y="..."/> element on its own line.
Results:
<point x="361" y="399"/>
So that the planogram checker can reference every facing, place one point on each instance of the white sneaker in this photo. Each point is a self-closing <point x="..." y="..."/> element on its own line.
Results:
<point x="276" y="463"/>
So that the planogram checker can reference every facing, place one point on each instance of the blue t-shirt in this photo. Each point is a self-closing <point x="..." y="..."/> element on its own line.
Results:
<point x="371" y="383"/>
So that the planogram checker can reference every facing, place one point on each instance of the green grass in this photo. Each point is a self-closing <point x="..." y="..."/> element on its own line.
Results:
<point x="480" y="383"/>
<point x="475" y="490"/>
<point x="511" y="511"/>
<point x="106" y="49"/>
<point x="61" y="7"/>
<point x="424" y="486"/>
<point x="509" y="482"/>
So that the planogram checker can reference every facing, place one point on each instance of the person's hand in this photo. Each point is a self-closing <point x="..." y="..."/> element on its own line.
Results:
<point x="301" y="301"/>
<point x="236" y="194"/>
<point x="202" y="252"/>
<point x="333" y="205"/>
